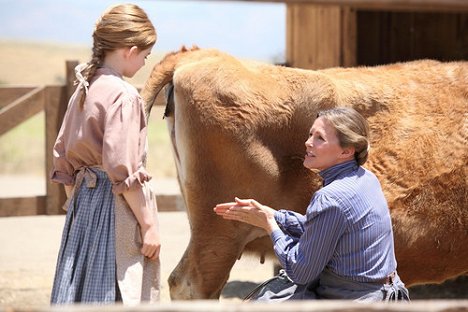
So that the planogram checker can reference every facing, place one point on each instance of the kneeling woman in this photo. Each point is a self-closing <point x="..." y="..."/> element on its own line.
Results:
<point x="343" y="247"/>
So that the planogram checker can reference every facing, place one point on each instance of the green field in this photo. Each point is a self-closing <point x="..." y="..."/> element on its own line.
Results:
<point x="22" y="150"/>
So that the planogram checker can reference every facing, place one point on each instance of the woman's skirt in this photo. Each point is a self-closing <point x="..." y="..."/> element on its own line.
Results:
<point x="332" y="286"/>
<point x="86" y="264"/>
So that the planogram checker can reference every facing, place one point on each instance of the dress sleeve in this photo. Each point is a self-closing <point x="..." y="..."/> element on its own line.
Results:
<point x="305" y="259"/>
<point x="290" y="222"/>
<point x="124" y="144"/>
<point x="62" y="171"/>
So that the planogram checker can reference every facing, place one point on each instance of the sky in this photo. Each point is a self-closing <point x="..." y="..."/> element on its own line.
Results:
<point x="246" y="30"/>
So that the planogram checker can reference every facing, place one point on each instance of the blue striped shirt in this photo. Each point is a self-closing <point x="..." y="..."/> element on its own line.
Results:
<point x="347" y="229"/>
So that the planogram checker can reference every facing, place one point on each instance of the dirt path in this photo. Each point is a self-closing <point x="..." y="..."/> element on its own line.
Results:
<point x="29" y="247"/>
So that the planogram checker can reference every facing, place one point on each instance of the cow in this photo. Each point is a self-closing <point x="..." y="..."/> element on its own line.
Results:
<point x="238" y="128"/>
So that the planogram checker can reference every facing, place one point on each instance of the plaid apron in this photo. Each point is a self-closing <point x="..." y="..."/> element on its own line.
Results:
<point x="99" y="259"/>
<point x="86" y="269"/>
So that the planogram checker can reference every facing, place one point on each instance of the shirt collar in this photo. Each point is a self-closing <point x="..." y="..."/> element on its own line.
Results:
<point x="331" y="174"/>
<point x="107" y="71"/>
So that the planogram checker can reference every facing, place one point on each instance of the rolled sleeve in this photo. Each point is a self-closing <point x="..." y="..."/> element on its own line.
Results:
<point x="62" y="171"/>
<point x="132" y="182"/>
<point x="124" y="144"/>
<point x="62" y="177"/>
<point x="276" y="235"/>
<point x="290" y="222"/>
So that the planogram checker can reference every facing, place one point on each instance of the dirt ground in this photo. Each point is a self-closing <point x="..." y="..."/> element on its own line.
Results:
<point x="29" y="247"/>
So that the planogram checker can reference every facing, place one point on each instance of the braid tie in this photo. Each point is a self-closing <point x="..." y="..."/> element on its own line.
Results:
<point x="85" y="72"/>
<point x="82" y="82"/>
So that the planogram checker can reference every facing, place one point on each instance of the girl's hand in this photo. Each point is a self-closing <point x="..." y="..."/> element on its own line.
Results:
<point x="151" y="242"/>
<point x="147" y="220"/>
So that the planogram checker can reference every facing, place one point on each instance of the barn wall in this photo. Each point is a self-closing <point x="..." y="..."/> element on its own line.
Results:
<point x="322" y="36"/>
<point x="387" y="37"/>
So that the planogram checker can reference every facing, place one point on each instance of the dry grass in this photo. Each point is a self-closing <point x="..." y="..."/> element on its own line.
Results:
<point x="22" y="149"/>
<point x="26" y="63"/>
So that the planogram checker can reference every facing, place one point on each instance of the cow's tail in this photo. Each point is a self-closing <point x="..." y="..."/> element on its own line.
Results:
<point x="161" y="75"/>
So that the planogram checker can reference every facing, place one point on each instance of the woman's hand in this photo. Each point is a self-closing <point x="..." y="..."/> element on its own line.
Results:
<point x="248" y="211"/>
<point x="151" y="242"/>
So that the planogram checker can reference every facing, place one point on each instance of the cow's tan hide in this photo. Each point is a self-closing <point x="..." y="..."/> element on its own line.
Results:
<point x="238" y="129"/>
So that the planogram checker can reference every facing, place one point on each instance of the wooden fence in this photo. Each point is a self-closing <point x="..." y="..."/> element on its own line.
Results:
<point x="19" y="103"/>
<point x="290" y="306"/>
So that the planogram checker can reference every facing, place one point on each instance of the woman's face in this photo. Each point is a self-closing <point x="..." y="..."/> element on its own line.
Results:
<point x="322" y="147"/>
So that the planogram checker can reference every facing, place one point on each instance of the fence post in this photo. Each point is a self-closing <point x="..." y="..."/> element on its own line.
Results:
<point x="56" y="102"/>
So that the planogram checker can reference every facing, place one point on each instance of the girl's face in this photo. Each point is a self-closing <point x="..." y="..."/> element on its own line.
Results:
<point x="322" y="147"/>
<point x="136" y="59"/>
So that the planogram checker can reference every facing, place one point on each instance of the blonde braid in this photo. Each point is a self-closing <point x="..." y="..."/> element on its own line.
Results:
<point x="90" y="70"/>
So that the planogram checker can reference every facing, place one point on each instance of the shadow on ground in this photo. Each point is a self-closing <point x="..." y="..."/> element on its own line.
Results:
<point x="238" y="289"/>
<point x="452" y="289"/>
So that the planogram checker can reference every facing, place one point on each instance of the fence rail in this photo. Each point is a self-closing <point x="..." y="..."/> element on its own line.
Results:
<point x="290" y="306"/>
<point x="19" y="103"/>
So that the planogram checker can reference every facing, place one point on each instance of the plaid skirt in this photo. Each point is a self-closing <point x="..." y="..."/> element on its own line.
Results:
<point x="86" y="264"/>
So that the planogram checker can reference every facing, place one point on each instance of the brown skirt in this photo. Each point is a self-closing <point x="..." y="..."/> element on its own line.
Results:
<point x="138" y="277"/>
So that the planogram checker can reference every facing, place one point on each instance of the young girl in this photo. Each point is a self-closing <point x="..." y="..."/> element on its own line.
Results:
<point x="110" y="242"/>
<point x="343" y="247"/>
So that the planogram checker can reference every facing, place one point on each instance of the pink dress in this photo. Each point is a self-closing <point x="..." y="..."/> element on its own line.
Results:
<point x="110" y="133"/>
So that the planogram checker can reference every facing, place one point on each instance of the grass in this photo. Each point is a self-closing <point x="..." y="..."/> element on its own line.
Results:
<point x="22" y="149"/>
<point x="160" y="160"/>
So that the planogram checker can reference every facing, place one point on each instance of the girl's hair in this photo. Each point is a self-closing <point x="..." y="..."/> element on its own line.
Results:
<point x="351" y="128"/>
<point x="120" y="26"/>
